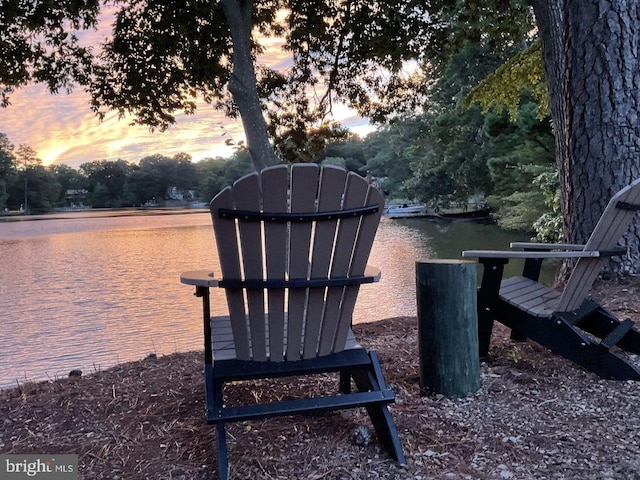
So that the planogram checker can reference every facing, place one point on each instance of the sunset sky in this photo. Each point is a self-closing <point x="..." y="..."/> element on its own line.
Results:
<point x="63" y="129"/>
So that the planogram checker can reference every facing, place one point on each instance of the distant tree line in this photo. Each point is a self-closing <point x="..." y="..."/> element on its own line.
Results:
<point x="27" y="185"/>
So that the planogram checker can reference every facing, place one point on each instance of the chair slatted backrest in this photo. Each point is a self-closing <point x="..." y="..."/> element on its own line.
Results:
<point x="613" y="224"/>
<point x="293" y="243"/>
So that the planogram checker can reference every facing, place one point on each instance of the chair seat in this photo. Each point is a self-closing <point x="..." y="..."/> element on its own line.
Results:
<point x="530" y="296"/>
<point x="222" y="339"/>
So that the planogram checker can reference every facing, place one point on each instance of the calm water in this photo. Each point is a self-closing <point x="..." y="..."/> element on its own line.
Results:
<point x="86" y="292"/>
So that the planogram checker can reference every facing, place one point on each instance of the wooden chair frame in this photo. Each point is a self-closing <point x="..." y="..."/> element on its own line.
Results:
<point x="568" y="322"/>
<point x="293" y="244"/>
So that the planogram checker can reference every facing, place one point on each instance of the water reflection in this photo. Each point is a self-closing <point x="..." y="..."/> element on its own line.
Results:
<point x="98" y="296"/>
<point x="447" y="239"/>
<point x="88" y="293"/>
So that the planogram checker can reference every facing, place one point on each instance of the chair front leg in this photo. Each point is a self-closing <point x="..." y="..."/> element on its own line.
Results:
<point x="371" y="379"/>
<point x="487" y="300"/>
<point x="223" y="461"/>
<point x="203" y="292"/>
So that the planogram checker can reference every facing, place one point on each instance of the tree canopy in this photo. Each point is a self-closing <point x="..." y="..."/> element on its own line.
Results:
<point x="165" y="55"/>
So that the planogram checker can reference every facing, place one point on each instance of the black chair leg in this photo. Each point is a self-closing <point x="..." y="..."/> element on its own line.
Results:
<point x="485" y="329"/>
<point x="372" y="380"/>
<point x="386" y="431"/>
<point x="223" y="462"/>
<point x="345" y="381"/>
<point x="487" y="299"/>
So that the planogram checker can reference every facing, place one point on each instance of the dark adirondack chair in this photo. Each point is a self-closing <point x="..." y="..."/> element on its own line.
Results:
<point x="568" y="322"/>
<point x="293" y="244"/>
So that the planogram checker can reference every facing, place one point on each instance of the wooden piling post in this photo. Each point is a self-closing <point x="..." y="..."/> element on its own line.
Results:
<point x="448" y="327"/>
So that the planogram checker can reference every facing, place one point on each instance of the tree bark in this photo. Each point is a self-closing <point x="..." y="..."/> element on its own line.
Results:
<point x="591" y="54"/>
<point x="243" y="83"/>
<point x="603" y="132"/>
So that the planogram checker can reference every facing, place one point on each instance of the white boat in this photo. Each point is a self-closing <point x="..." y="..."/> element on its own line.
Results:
<point x="406" y="210"/>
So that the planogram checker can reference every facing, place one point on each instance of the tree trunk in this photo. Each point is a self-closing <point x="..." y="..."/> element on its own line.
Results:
<point x="448" y="327"/>
<point x="549" y="18"/>
<point x="591" y="50"/>
<point x="603" y="132"/>
<point x="243" y="83"/>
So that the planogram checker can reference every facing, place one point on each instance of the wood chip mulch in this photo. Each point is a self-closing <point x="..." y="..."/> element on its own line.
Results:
<point x="536" y="416"/>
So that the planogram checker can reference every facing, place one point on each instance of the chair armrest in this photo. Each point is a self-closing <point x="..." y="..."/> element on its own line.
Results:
<point x="371" y="271"/>
<point x="206" y="278"/>
<point x="199" y="278"/>
<point x="528" y="254"/>
<point x="546" y="246"/>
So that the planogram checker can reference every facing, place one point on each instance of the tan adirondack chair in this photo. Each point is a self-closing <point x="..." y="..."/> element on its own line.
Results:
<point x="568" y="322"/>
<point x="293" y="244"/>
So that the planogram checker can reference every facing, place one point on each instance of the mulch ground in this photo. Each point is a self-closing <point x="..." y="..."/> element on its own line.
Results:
<point x="536" y="416"/>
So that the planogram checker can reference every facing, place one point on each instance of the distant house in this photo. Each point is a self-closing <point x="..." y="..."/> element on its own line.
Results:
<point x="75" y="197"/>
<point x="174" y="193"/>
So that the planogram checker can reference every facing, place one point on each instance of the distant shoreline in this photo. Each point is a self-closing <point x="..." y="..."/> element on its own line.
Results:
<point x="102" y="212"/>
